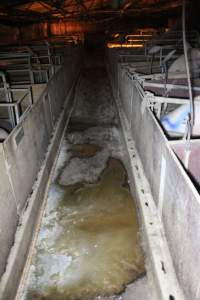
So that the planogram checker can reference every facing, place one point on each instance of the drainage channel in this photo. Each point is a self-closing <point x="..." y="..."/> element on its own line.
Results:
<point x="88" y="244"/>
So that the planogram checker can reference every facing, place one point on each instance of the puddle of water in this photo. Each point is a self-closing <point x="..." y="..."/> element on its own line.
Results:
<point x="88" y="245"/>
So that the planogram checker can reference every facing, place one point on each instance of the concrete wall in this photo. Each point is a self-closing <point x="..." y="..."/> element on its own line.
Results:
<point x="175" y="195"/>
<point x="181" y="217"/>
<point x="8" y="211"/>
<point x="22" y="154"/>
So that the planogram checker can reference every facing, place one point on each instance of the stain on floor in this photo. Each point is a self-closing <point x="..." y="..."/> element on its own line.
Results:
<point x="88" y="244"/>
<point x="84" y="151"/>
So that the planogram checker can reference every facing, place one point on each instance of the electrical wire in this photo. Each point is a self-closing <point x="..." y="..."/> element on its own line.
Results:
<point x="190" y="121"/>
<point x="191" y="116"/>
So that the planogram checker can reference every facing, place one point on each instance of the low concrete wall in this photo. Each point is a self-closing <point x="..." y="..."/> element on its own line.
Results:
<point x="22" y="157"/>
<point x="8" y="211"/>
<point x="176" y="198"/>
<point x="181" y="201"/>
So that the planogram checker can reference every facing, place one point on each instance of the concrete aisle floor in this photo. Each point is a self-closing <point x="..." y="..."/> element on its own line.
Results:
<point x="88" y="245"/>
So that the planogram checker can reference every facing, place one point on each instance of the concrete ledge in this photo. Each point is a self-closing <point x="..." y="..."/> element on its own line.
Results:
<point x="162" y="280"/>
<point x="18" y="254"/>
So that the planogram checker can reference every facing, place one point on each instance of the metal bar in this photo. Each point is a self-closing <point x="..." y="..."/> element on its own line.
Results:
<point x="16" y="89"/>
<point x="30" y="96"/>
<point x="6" y="104"/>
<point x="12" y="104"/>
<point x="47" y="76"/>
<point x="170" y="100"/>
<point x="16" y="113"/>
<point x="22" y="98"/>
<point x="24" y="113"/>
<point x="168" y="85"/>
<point x="43" y="70"/>
<point x="17" y="70"/>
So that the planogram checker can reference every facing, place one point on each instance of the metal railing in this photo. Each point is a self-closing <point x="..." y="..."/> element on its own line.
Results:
<point x="16" y="108"/>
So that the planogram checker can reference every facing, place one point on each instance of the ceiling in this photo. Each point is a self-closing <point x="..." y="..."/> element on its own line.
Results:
<point x="24" y="11"/>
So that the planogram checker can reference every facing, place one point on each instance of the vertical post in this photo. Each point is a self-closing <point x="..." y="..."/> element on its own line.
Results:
<point x="40" y="69"/>
<point x="161" y="54"/>
<point x="30" y="96"/>
<point x="50" y="58"/>
<point x="46" y="75"/>
<point x="30" y="70"/>
<point x="17" y="115"/>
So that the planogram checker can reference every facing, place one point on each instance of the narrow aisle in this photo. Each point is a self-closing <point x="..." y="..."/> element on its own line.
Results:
<point x="88" y="244"/>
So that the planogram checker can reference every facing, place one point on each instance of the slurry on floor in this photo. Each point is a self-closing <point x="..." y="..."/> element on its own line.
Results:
<point x="88" y="245"/>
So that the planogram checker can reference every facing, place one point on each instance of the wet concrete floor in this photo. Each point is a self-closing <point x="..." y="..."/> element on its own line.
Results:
<point x="88" y="246"/>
